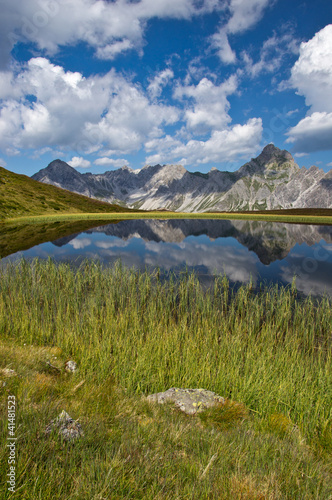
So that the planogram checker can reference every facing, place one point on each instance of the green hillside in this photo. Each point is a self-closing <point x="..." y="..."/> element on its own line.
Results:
<point x="20" y="195"/>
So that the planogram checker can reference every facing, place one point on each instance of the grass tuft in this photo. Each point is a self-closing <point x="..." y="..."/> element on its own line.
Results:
<point x="225" y="415"/>
<point x="281" y="424"/>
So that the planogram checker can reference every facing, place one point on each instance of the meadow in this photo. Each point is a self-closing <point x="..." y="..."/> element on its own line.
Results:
<point x="134" y="333"/>
<point x="300" y="216"/>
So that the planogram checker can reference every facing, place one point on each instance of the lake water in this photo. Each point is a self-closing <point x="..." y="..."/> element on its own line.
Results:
<point x="243" y="250"/>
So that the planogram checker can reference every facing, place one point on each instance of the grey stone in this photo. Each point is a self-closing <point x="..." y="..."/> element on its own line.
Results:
<point x="7" y="373"/>
<point x="68" y="428"/>
<point x="190" y="401"/>
<point x="70" y="366"/>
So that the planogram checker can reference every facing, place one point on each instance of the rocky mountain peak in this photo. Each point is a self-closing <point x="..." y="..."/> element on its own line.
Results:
<point x="270" y="157"/>
<point x="314" y="168"/>
<point x="60" y="174"/>
<point x="59" y="165"/>
<point x="57" y="170"/>
<point x="271" y="152"/>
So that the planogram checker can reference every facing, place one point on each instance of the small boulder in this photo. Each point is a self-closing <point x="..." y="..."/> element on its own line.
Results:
<point x="190" y="401"/>
<point x="70" y="366"/>
<point x="68" y="428"/>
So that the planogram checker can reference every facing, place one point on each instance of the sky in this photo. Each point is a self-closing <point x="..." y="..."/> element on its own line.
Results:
<point x="202" y="83"/>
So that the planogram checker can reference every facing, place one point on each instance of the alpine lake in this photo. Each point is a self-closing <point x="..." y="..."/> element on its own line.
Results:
<point x="245" y="251"/>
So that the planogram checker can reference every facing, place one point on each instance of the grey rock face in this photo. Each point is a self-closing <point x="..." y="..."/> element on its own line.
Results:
<point x="190" y="401"/>
<point x="60" y="174"/>
<point x="68" y="429"/>
<point x="270" y="181"/>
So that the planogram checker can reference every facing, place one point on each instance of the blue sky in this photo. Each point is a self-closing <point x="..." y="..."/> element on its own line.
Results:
<point x="204" y="83"/>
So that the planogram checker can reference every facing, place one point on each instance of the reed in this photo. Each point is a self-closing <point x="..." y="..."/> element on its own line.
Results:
<point x="133" y="333"/>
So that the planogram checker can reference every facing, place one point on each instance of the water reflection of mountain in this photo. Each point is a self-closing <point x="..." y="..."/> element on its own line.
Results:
<point x="270" y="241"/>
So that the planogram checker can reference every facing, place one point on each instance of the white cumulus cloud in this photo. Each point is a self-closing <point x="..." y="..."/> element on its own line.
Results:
<point x="130" y="120"/>
<point x="210" y="105"/>
<point x="222" y="146"/>
<point x="110" y="162"/>
<point x="312" y="72"/>
<point x="219" y="41"/>
<point x="79" y="162"/>
<point x="110" y="27"/>
<point x="159" y="81"/>
<point x="311" y="76"/>
<point x="51" y="107"/>
<point x="244" y="14"/>
<point x="272" y="54"/>
<point x="313" y="133"/>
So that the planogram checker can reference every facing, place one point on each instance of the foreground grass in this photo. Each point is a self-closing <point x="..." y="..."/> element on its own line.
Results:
<point x="133" y="334"/>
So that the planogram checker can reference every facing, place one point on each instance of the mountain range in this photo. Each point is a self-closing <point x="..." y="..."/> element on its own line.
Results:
<point x="271" y="181"/>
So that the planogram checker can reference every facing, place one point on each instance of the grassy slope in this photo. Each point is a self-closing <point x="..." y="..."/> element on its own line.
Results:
<point x="22" y="196"/>
<point x="131" y="335"/>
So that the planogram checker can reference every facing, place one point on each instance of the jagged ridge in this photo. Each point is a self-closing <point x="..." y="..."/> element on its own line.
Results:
<point x="271" y="181"/>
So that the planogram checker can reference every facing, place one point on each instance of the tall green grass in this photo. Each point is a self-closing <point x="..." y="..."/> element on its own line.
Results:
<point x="269" y="350"/>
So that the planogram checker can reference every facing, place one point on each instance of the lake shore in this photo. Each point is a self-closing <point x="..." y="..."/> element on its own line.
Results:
<point x="283" y="216"/>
